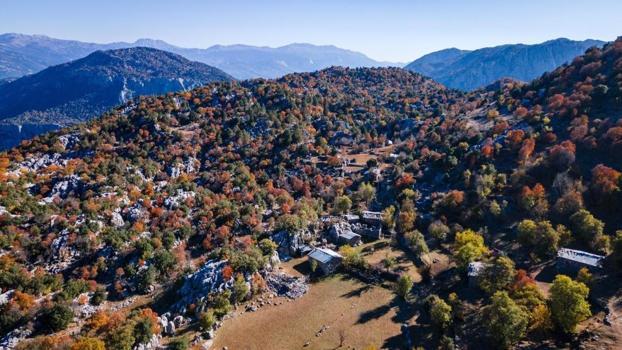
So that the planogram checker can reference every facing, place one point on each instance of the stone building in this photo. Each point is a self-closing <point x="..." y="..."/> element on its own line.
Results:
<point x="327" y="260"/>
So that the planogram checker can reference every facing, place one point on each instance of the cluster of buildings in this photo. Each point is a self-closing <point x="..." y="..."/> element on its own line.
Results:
<point x="320" y="243"/>
<point x="568" y="261"/>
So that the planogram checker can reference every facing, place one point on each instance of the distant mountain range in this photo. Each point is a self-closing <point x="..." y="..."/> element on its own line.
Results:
<point x="81" y="89"/>
<point x="26" y="54"/>
<point x="468" y="70"/>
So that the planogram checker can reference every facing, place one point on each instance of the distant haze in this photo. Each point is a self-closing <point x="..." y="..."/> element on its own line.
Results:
<point x="397" y="31"/>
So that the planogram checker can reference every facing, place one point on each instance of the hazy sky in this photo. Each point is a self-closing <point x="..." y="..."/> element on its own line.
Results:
<point x="398" y="30"/>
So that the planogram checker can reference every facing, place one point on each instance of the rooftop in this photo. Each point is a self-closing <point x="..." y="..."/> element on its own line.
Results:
<point x="347" y="234"/>
<point x="324" y="255"/>
<point x="351" y="217"/>
<point x="475" y="268"/>
<point x="372" y="214"/>
<point x="581" y="257"/>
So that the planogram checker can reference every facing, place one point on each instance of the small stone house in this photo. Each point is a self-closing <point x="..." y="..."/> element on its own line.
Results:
<point x="341" y="233"/>
<point x="327" y="260"/>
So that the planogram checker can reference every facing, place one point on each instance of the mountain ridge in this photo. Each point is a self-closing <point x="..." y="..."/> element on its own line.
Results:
<point x="80" y="89"/>
<point x="26" y="54"/>
<point x="471" y="69"/>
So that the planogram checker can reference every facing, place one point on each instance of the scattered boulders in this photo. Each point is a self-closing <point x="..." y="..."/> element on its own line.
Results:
<point x="173" y="202"/>
<point x="14" y="337"/>
<point x="274" y="261"/>
<point x="288" y="286"/>
<point x="63" y="254"/>
<point x="36" y="163"/>
<point x="117" y="220"/>
<point x="69" y="141"/>
<point x="189" y="166"/>
<point x="152" y="344"/>
<point x="64" y="187"/>
<point x="6" y="296"/>
<point x="323" y="329"/>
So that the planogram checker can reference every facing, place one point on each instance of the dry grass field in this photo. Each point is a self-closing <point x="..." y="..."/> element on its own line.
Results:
<point x="343" y="308"/>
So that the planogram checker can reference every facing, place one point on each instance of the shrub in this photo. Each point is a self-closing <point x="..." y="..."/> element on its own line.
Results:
<point x="440" y="312"/>
<point x="468" y="247"/>
<point x="56" y="318"/>
<point x="569" y="305"/>
<point x="207" y="320"/>
<point x="404" y="285"/>
<point x="505" y="321"/>
<point x="497" y="275"/>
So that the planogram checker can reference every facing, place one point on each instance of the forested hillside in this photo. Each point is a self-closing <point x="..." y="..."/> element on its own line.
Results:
<point x="105" y="224"/>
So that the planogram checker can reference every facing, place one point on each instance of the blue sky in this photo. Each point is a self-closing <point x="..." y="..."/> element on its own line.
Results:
<point x="393" y="30"/>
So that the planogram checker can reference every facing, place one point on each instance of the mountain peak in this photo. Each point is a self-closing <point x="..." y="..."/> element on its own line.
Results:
<point x="80" y="89"/>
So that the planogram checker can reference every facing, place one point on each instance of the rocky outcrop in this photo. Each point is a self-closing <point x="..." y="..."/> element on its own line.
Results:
<point x="197" y="286"/>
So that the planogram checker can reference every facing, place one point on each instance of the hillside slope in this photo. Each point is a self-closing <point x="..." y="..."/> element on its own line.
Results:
<point x="172" y="207"/>
<point x="87" y="87"/>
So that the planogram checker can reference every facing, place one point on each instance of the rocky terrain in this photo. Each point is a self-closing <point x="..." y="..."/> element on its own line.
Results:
<point x="154" y="222"/>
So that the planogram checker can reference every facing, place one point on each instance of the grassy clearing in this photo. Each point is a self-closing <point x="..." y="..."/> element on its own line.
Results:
<point x="362" y="314"/>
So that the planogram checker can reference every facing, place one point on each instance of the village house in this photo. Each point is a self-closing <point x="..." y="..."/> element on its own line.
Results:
<point x="372" y="217"/>
<point x="327" y="260"/>
<point x="341" y="233"/>
<point x="368" y="231"/>
<point x="290" y="244"/>
<point x="351" y="218"/>
<point x="571" y="260"/>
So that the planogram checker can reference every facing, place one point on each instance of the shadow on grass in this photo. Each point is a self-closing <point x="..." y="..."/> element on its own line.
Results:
<point x="303" y="267"/>
<point x="404" y="311"/>
<point x="374" y="314"/>
<point x="357" y="292"/>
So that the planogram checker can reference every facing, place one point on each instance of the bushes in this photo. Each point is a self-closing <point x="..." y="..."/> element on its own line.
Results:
<point x="248" y="261"/>
<point x="416" y="242"/>
<point x="589" y="230"/>
<point x="342" y="204"/>
<point x="87" y="343"/>
<point x="540" y="236"/>
<point x="240" y="289"/>
<point x="533" y="201"/>
<point x="56" y="318"/>
<point x="568" y="302"/>
<point x="207" y="320"/>
<point x="404" y="285"/>
<point x="267" y="246"/>
<point x="497" y="275"/>
<point x="440" y="312"/>
<point x="468" y="247"/>
<point x="352" y="258"/>
<point x="220" y="303"/>
<point x="179" y="343"/>
<point x="438" y="230"/>
<point x="504" y="320"/>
